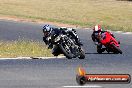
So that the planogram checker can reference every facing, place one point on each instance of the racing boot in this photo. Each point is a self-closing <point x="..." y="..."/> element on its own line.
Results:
<point x="99" y="48"/>
<point x="56" y="51"/>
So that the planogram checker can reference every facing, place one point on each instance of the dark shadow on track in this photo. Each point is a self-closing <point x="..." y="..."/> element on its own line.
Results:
<point x="98" y="53"/>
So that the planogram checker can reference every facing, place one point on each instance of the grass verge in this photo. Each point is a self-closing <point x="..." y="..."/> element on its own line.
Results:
<point x="112" y="14"/>
<point x="23" y="48"/>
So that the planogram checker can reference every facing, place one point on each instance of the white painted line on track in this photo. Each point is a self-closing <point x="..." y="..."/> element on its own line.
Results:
<point x="8" y="58"/>
<point x="31" y="58"/>
<point x="47" y="57"/>
<point x="88" y="29"/>
<point x="89" y="86"/>
<point x="127" y="33"/>
<point x="118" y="31"/>
<point x="23" y="58"/>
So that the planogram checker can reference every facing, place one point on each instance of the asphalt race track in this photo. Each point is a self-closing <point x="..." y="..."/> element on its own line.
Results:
<point x="60" y="73"/>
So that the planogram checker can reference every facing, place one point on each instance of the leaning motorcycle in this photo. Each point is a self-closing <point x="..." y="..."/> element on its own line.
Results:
<point x="68" y="47"/>
<point x="111" y="44"/>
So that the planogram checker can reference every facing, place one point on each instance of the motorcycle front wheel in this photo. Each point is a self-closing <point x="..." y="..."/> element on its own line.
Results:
<point x="117" y="49"/>
<point x="82" y="54"/>
<point x="66" y="51"/>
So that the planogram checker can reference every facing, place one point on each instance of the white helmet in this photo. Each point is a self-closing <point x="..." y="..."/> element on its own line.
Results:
<point x="97" y="28"/>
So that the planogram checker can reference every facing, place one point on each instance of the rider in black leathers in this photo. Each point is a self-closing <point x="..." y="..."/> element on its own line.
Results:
<point x="50" y="33"/>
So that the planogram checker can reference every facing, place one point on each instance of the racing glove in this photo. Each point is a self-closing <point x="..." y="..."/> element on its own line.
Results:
<point x="44" y="39"/>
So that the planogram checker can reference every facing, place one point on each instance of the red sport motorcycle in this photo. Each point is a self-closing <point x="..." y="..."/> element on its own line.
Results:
<point x="111" y="44"/>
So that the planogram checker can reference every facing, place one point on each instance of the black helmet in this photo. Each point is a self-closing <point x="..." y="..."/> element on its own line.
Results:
<point x="47" y="29"/>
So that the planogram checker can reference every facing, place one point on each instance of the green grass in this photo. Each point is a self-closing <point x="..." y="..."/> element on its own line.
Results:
<point x="23" y="48"/>
<point x="112" y="14"/>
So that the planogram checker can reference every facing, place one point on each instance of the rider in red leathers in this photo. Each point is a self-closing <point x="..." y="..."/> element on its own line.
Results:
<point x="98" y="32"/>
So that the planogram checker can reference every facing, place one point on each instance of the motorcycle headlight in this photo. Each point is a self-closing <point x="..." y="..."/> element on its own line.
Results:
<point x="57" y="39"/>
